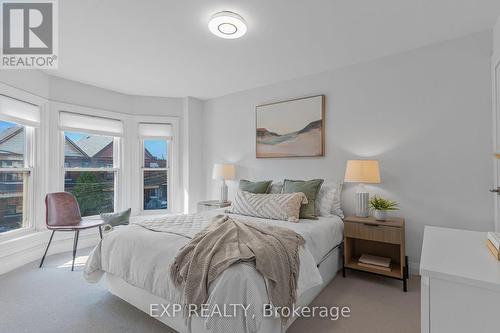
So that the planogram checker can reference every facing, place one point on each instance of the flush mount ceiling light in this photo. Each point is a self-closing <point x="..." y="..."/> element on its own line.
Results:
<point x="227" y="25"/>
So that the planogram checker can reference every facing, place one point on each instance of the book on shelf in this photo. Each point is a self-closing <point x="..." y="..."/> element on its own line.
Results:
<point x="494" y="238"/>
<point x="383" y="268"/>
<point x="375" y="260"/>
<point x="493" y="249"/>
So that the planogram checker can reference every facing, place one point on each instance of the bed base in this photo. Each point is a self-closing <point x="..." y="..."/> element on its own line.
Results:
<point x="141" y="299"/>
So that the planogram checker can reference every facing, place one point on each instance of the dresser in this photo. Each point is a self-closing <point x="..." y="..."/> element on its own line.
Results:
<point x="460" y="283"/>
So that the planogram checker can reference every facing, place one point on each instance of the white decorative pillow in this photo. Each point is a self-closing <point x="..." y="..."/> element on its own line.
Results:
<point x="328" y="200"/>
<point x="284" y="207"/>
<point x="276" y="188"/>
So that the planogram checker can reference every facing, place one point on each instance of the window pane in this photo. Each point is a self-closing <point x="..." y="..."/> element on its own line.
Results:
<point x="94" y="191"/>
<point x="155" y="153"/>
<point x="155" y="190"/>
<point x="12" y="143"/>
<point x="13" y="191"/>
<point x="88" y="150"/>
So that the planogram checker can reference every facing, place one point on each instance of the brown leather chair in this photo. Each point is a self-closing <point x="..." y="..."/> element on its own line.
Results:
<point x="63" y="214"/>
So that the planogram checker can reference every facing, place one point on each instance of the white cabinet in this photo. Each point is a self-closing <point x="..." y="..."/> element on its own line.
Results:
<point x="460" y="283"/>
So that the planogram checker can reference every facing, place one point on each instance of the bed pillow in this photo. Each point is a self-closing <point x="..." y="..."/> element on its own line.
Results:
<point x="328" y="200"/>
<point x="115" y="219"/>
<point x="284" y="207"/>
<point x="337" y="207"/>
<point x="255" y="187"/>
<point x="276" y="188"/>
<point x="311" y="189"/>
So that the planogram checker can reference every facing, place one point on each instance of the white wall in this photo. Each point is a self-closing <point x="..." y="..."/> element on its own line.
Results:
<point x="32" y="81"/>
<point x="193" y="159"/>
<point x="496" y="36"/>
<point x="424" y="114"/>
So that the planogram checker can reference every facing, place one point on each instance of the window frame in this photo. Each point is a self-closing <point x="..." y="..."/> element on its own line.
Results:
<point x="116" y="169"/>
<point x="167" y="169"/>
<point x="28" y="224"/>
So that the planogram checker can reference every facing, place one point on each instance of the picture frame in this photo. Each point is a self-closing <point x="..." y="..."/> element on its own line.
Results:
<point x="291" y="128"/>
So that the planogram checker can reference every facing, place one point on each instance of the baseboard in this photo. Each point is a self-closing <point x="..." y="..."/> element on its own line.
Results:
<point x="19" y="252"/>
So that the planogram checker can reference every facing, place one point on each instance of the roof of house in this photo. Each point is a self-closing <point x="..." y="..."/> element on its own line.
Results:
<point x="72" y="150"/>
<point x="11" y="142"/>
<point x="91" y="145"/>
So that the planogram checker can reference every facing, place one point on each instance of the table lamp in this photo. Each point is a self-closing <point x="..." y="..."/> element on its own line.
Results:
<point x="223" y="172"/>
<point x="362" y="172"/>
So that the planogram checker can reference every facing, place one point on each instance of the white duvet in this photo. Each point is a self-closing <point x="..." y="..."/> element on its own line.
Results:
<point x="142" y="258"/>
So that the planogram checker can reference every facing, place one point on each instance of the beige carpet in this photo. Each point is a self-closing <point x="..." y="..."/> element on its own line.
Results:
<point x="54" y="299"/>
<point x="377" y="305"/>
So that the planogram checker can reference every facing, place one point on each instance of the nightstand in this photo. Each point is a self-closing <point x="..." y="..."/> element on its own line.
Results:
<point x="365" y="235"/>
<point x="203" y="206"/>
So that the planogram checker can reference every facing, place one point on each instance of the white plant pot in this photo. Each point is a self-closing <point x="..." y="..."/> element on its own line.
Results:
<point x="380" y="215"/>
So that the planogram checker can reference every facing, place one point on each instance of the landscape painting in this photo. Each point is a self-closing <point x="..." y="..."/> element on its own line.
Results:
<point x="291" y="129"/>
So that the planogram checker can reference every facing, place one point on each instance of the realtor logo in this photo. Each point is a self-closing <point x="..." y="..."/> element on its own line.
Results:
<point x="29" y="34"/>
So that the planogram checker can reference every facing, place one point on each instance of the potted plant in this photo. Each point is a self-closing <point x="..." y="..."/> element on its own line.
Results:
<point x="380" y="206"/>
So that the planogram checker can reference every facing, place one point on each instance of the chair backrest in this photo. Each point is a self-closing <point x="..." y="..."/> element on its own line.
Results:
<point x="62" y="209"/>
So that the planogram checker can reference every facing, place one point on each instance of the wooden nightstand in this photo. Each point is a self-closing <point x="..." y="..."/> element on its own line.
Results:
<point x="365" y="235"/>
<point x="203" y="206"/>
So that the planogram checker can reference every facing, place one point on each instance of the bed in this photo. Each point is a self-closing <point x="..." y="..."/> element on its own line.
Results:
<point x="136" y="264"/>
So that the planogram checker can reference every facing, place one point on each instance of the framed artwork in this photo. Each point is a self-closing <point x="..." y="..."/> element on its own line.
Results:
<point x="293" y="128"/>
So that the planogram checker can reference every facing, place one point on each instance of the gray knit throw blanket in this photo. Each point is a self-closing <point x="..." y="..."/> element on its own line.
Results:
<point x="227" y="241"/>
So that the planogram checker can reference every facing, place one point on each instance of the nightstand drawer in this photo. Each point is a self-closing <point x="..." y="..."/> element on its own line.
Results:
<point x="372" y="232"/>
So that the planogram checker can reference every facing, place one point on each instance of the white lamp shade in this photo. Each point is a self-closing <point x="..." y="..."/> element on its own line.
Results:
<point x="223" y="171"/>
<point x="362" y="171"/>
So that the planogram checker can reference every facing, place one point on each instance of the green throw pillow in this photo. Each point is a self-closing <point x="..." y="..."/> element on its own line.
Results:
<point x="255" y="187"/>
<point x="115" y="219"/>
<point x="310" y="188"/>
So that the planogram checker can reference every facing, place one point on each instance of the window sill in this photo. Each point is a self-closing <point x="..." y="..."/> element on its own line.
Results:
<point x="16" y="234"/>
<point x="156" y="212"/>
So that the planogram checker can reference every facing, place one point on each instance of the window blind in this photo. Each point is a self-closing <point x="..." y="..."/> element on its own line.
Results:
<point x="19" y="112"/>
<point x="156" y="130"/>
<point x="77" y="122"/>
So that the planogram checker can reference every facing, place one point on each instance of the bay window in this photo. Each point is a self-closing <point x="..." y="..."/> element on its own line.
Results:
<point x="155" y="173"/>
<point x="18" y="121"/>
<point x="91" y="161"/>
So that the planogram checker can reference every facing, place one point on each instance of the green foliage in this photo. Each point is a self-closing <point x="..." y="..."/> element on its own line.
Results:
<point x="89" y="193"/>
<point x="378" y="203"/>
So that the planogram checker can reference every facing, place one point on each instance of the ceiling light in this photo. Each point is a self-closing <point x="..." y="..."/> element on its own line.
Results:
<point x="227" y="25"/>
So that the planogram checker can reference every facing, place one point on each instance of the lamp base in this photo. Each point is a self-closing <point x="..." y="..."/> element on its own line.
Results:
<point x="362" y="199"/>
<point x="223" y="192"/>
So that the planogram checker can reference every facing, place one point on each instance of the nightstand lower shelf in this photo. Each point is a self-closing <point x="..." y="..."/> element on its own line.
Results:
<point x="395" y="271"/>
<point x="393" y="274"/>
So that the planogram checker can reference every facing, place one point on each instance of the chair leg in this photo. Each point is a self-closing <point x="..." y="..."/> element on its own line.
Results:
<point x="75" y="245"/>
<point x="100" y="231"/>
<point x="47" y="249"/>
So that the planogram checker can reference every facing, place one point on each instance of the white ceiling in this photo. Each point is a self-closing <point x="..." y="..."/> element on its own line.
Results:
<point x="164" y="48"/>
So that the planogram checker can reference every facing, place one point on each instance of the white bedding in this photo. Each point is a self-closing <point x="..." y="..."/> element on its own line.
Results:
<point x="321" y="235"/>
<point x="142" y="258"/>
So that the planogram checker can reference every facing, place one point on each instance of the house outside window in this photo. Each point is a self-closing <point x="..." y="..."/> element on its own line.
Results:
<point x="18" y="121"/>
<point x="155" y="174"/>
<point x="156" y="158"/>
<point x="89" y="171"/>
<point x="91" y="161"/>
